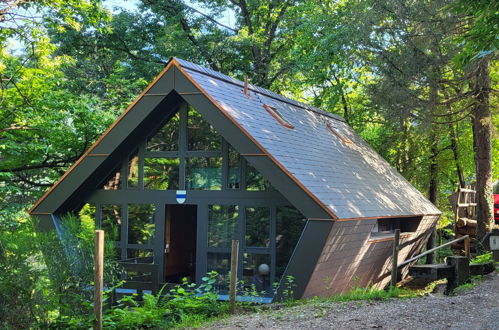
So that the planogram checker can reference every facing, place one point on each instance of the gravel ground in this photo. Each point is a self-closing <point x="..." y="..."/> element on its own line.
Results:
<point x="476" y="308"/>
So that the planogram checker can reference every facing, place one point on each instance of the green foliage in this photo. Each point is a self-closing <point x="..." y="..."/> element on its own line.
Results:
<point x="395" y="70"/>
<point x="483" y="258"/>
<point x="480" y="25"/>
<point x="474" y="280"/>
<point x="358" y="293"/>
<point x="184" y="303"/>
<point x="38" y="288"/>
<point x="23" y="279"/>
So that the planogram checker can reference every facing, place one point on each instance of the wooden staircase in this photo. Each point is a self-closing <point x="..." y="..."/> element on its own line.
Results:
<point x="465" y="217"/>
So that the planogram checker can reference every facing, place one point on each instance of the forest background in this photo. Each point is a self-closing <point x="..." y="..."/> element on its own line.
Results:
<point x="416" y="79"/>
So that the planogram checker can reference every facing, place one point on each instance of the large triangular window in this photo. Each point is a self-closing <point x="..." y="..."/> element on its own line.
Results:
<point x="186" y="153"/>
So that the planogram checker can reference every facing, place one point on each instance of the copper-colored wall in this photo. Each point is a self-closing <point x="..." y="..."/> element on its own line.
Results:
<point x="349" y="258"/>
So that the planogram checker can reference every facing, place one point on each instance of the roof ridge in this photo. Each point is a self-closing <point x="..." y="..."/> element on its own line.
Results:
<point x="254" y="88"/>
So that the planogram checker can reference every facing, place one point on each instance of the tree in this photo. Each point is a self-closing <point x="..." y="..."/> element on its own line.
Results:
<point x="480" y="46"/>
<point x="44" y="126"/>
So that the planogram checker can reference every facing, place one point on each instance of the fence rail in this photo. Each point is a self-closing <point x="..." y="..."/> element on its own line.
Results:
<point x="465" y="238"/>
<point x="396" y="249"/>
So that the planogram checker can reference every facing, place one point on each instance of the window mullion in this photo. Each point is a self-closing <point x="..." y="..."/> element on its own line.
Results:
<point x="182" y="144"/>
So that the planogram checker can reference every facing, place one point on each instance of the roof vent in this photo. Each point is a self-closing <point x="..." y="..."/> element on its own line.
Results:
<point x="278" y="116"/>
<point x="334" y="130"/>
<point x="246" y="87"/>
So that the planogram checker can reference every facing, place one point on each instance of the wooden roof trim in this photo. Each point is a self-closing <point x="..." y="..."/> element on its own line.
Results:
<point x="390" y="217"/>
<point x="161" y="74"/>
<point x="265" y="151"/>
<point x="390" y="238"/>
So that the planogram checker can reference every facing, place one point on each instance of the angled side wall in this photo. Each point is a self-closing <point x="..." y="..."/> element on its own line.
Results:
<point x="349" y="259"/>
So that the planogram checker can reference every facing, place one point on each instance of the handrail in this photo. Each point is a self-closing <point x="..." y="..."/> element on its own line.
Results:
<point x="434" y="249"/>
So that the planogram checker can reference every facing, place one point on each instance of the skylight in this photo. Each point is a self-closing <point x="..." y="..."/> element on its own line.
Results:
<point x="278" y="116"/>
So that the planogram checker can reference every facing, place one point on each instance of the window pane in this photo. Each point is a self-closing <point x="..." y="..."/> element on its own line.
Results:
<point x="140" y="223"/>
<point x="111" y="221"/>
<point x="234" y="175"/>
<point x="166" y="139"/>
<point x="222" y="225"/>
<point x="256" y="272"/>
<point x="220" y="262"/>
<point x="200" y="134"/>
<point x="258" y="226"/>
<point x="133" y="172"/>
<point x="161" y="173"/>
<point x="290" y="225"/>
<point x="254" y="180"/>
<point x="203" y="173"/>
<point x="87" y="215"/>
<point x="140" y="256"/>
<point x="113" y="182"/>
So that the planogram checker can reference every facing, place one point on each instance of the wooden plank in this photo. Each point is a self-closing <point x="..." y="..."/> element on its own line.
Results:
<point x="465" y="222"/>
<point x="467" y="190"/>
<point x="466" y="204"/>
<point x="431" y="272"/>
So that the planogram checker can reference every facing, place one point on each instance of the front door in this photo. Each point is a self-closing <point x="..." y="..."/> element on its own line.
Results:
<point x="180" y="243"/>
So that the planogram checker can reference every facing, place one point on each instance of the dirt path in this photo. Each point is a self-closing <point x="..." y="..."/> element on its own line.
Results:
<point x="477" y="308"/>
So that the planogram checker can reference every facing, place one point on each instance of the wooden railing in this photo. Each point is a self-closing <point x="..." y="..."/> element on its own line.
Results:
<point x="396" y="265"/>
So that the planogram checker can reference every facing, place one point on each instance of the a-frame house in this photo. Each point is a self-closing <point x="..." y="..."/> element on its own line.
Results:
<point x="201" y="158"/>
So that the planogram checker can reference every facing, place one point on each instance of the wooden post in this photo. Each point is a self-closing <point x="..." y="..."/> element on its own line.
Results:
<point x="98" y="277"/>
<point x="233" y="275"/>
<point x="467" y="247"/>
<point x="395" y="257"/>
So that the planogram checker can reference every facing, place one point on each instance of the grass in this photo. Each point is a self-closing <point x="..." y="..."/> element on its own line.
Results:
<point x="474" y="280"/>
<point x="370" y="294"/>
<point x="483" y="258"/>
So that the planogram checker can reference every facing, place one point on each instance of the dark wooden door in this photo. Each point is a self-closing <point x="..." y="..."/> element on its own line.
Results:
<point x="180" y="243"/>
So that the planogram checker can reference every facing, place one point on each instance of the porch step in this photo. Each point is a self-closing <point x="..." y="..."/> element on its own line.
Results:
<point x="432" y="272"/>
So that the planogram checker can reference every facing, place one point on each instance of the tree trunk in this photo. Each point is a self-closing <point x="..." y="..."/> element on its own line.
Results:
<point x="433" y="189"/>
<point x="482" y="128"/>
<point x="455" y="152"/>
<point x="433" y="175"/>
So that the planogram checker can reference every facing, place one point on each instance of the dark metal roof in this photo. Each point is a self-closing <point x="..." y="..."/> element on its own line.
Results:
<point x="338" y="168"/>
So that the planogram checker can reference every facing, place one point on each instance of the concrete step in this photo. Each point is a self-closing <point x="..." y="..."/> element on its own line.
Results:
<point x="431" y="272"/>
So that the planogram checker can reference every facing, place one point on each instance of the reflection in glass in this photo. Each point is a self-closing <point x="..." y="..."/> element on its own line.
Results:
<point x="200" y="134"/>
<point x="256" y="272"/>
<point x="133" y="172"/>
<point x="203" y="173"/>
<point x="290" y="225"/>
<point x="111" y="221"/>
<point x="257" y="226"/>
<point x="222" y="225"/>
<point x="140" y="223"/>
<point x="161" y="173"/>
<point x="87" y="216"/>
<point x="254" y="179"/>
<point x="234" y="169"/>
<point x="113" y="182"/>
<point x="220" y="262"/>
<point x="166" y="139"/>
